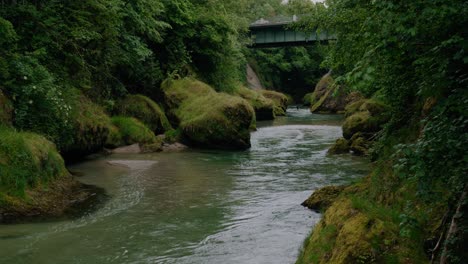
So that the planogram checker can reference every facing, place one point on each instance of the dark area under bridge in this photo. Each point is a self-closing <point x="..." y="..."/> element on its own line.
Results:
<point x="274" y="32"/>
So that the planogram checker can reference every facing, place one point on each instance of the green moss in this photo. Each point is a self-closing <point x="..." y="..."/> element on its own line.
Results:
<point x="309" y="99"/>
<point x="6" y="110"/>
<point x="173" y="136"/>
<point x="26" y="160"/>
<point x="207" y="118"/>
<point x="114" y="139"/>
<point x="341" y="146"/>
<point x="280" y="101"/>
<point x="359" y="145"/>
<point x="133" y="131"/>
<point x="319" y="101"/>
<point x="91" y="128"/>
<point x="353" y="108"/>
<point x="145" y="110"/>
<point x="264" y="107"/>
<point x="323" y="198"/>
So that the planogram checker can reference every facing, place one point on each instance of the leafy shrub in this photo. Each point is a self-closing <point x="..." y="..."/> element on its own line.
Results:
<point x="40" y="104"/>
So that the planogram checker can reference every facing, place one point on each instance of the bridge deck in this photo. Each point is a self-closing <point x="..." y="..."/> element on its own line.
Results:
<point x="268" y="33"/>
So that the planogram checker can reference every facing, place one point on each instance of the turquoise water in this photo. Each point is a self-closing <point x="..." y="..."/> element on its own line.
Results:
<point x="198" y="206"/>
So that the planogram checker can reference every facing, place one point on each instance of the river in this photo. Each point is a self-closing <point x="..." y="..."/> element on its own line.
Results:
<point x="198" y="206"/>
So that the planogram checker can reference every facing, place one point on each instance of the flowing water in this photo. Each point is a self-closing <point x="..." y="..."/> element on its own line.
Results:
<point x="198" y="206"/>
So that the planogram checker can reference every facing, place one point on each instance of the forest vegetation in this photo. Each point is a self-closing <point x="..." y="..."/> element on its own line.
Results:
<point x="78" y="76"/>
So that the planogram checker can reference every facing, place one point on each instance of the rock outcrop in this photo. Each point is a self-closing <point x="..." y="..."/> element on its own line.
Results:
<point x="34" y="181"/>
<point x="264" y="107"/>
<point x="206" y="118"/>
<point x="329" y="97"/>
<point x="145" y="110"/>
<point x="364" y="119"/>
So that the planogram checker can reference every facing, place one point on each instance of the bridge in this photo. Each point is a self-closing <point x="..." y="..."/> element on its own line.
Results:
<point x="274" y="32"/>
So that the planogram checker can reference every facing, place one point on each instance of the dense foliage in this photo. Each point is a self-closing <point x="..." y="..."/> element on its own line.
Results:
<point x="412" y="55"/>
<point x="107" y="49"/>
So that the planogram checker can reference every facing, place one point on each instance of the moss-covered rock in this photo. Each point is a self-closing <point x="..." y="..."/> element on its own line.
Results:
<point x="364" y="116"/>
<point x="34" y="182"/>
<point x="328" y="97"/>
<point x="308" y="99"/>
<point x="145" y="110"/>
<point x="359" y="144"/>
<point x="341" y="146"/>
<point x="347" y="235"/>
<point x="91" y="129"/>
<point x="264" y="108"/>
<point x="323" y="198"/>
<point x="206" y="118"/>
<point x="26" y="160"/>
<point x="6" y="110"/>
<point x="280" y="101"/>
<point x="132" y="131"/>
<point x="357" y="228"/>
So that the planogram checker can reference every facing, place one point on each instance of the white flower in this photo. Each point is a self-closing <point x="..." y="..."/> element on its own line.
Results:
<point x="30" y="101"/>
<point x="25" y="77"/>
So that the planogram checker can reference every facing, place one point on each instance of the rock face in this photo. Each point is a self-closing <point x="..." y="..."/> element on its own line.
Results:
<point x="33" y="179"/>
<point x="252" y="79"/>
<point x="145" y="110"/>
<point x="328" y="97"/>
<point x="206" y="118"/>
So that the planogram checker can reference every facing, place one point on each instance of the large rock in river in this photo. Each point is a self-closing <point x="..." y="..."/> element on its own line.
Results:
<point x="329" y="97"/>
<point x="264" y="107"/>
<point x="207" y="118"/>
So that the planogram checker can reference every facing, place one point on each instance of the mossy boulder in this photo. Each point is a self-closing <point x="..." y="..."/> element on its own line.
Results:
<point x="26" y="160"/>
<point x="329" y="97"/>
<point x="145" y="110"/>
<point x="91" y="129"/>
<point x="364" y="116"/>
<point x="280" y="101"/>
<point x="341" y="146"/>
<point x="131" y="131"/>
<point x="6" y="109"/>
<point x="34" y="183"/>
<point x="264" y="107"/>
<point x="323" y="198"/>
<point x="346" y="235"/>
<point x="359" y="144"/>
<point x="206" y="118"/>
